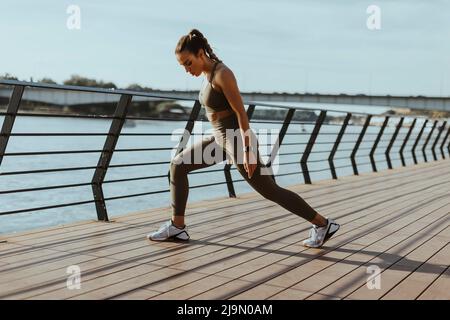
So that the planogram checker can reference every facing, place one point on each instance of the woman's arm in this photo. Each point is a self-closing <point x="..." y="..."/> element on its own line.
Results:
<point x="227" y="82"/>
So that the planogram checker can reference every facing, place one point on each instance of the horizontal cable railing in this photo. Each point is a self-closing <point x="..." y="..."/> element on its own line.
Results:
<point x="391" y="137"/>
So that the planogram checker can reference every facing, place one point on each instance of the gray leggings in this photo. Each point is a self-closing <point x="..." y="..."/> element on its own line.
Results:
<point x="262" y="183"/>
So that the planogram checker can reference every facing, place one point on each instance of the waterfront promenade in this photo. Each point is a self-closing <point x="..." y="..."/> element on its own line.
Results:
<point x="393" y="221"/>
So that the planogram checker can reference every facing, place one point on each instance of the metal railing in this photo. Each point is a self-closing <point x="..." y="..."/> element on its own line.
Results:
<point x="434" y="144"/>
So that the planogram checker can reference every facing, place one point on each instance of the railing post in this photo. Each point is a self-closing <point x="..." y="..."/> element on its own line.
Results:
<point x="437" y="139"/>
<point x="10" y="117"/>
<point x="227" y="167"/>
<point x="372" y="151"/>
<point x="406" y="141"/>
<point x="394" y="136"/>
<point x="428" y="139"/>
<point x="250" y="111"/>
<point x="193" y="116"/>
<point x="358" y="142"/>
<point x="336" y="144"/>
<point x="106" y="155"/>
<point x="276" y="147"/>
<point x="443" y="143"/>
<point x="189" y="127"/>
<point x="310" y="145"/>
<point x="448" y="148"/>
<point x="417" y="141"/>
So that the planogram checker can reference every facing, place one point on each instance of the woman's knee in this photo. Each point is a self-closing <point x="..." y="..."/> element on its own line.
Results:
<point x="271" y="194"/>
<point x="177" y="168"/>
<point x="264" y="185"/>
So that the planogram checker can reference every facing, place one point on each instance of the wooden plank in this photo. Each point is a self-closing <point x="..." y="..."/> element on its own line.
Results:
<point x="120" y="272"/>
<point x="26" y="253"/>
<point x="222" y="291"/>
<point x="350" y="281"/>
<point x="291" y="294"/>
<point x="260" y="292"/>
<point x="318" y="296"/>
<point x="418" y="281"/>
<point x="123" y="285"/>
<point x="138" y="294"/>
<point x="8" y="248"/>
<point x="291" y="277"/>
<point x="56" y="261"/>
<point x="271" y="243"/>
<point x="366" y="258"/>
<point x="390" y="277"/>
<point x="438" y="289"/>
<point x="287" y="262"/>
<point x="189" y="290"/>
<point x="56" y="279"/>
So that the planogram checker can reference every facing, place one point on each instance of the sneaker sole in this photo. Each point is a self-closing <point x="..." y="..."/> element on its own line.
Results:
<point x="172" y="238"/>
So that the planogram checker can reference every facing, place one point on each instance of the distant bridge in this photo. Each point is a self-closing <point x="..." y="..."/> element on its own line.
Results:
<point x="72" y="95"/>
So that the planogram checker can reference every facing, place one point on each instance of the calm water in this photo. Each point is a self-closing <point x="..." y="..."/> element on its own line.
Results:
<point x="12" y="223"/>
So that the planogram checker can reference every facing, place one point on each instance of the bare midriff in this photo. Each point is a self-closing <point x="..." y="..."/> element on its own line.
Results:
<point x="218" y="115"/>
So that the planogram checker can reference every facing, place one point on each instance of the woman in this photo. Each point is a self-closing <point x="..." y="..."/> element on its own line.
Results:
<point x="225" y="110"/>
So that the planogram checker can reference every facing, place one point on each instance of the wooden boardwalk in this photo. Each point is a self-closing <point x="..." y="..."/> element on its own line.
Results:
<point x="250" y="248"/>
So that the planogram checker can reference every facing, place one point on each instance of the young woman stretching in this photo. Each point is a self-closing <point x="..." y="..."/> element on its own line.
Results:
<point x="225" y="110"/>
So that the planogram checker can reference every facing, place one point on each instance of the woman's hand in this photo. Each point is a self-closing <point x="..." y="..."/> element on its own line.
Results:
<point x="250" y="162"/>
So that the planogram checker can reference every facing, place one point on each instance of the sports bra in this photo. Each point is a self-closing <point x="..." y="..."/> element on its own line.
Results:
<point x="212" y="99"/>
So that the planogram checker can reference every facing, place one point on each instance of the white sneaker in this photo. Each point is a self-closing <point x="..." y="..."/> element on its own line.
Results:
<point x="168" y="231"/>
<point x="319" y="235"/>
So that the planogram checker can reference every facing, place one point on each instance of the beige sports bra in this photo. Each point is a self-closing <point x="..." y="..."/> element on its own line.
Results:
<point x="212" y="99"/>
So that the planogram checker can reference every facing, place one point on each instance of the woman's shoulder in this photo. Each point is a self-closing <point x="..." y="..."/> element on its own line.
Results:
<point x="221" y="71"/>
<point x="221" y="67"/>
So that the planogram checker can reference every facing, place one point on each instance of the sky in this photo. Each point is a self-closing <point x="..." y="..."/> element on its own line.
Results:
<point x="314" y="46"/>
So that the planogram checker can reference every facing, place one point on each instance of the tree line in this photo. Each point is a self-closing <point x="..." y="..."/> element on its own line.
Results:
<point x="77" y="80"/>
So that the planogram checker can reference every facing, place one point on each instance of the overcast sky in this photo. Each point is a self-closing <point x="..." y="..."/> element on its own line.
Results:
<point x="285" y="46"/>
